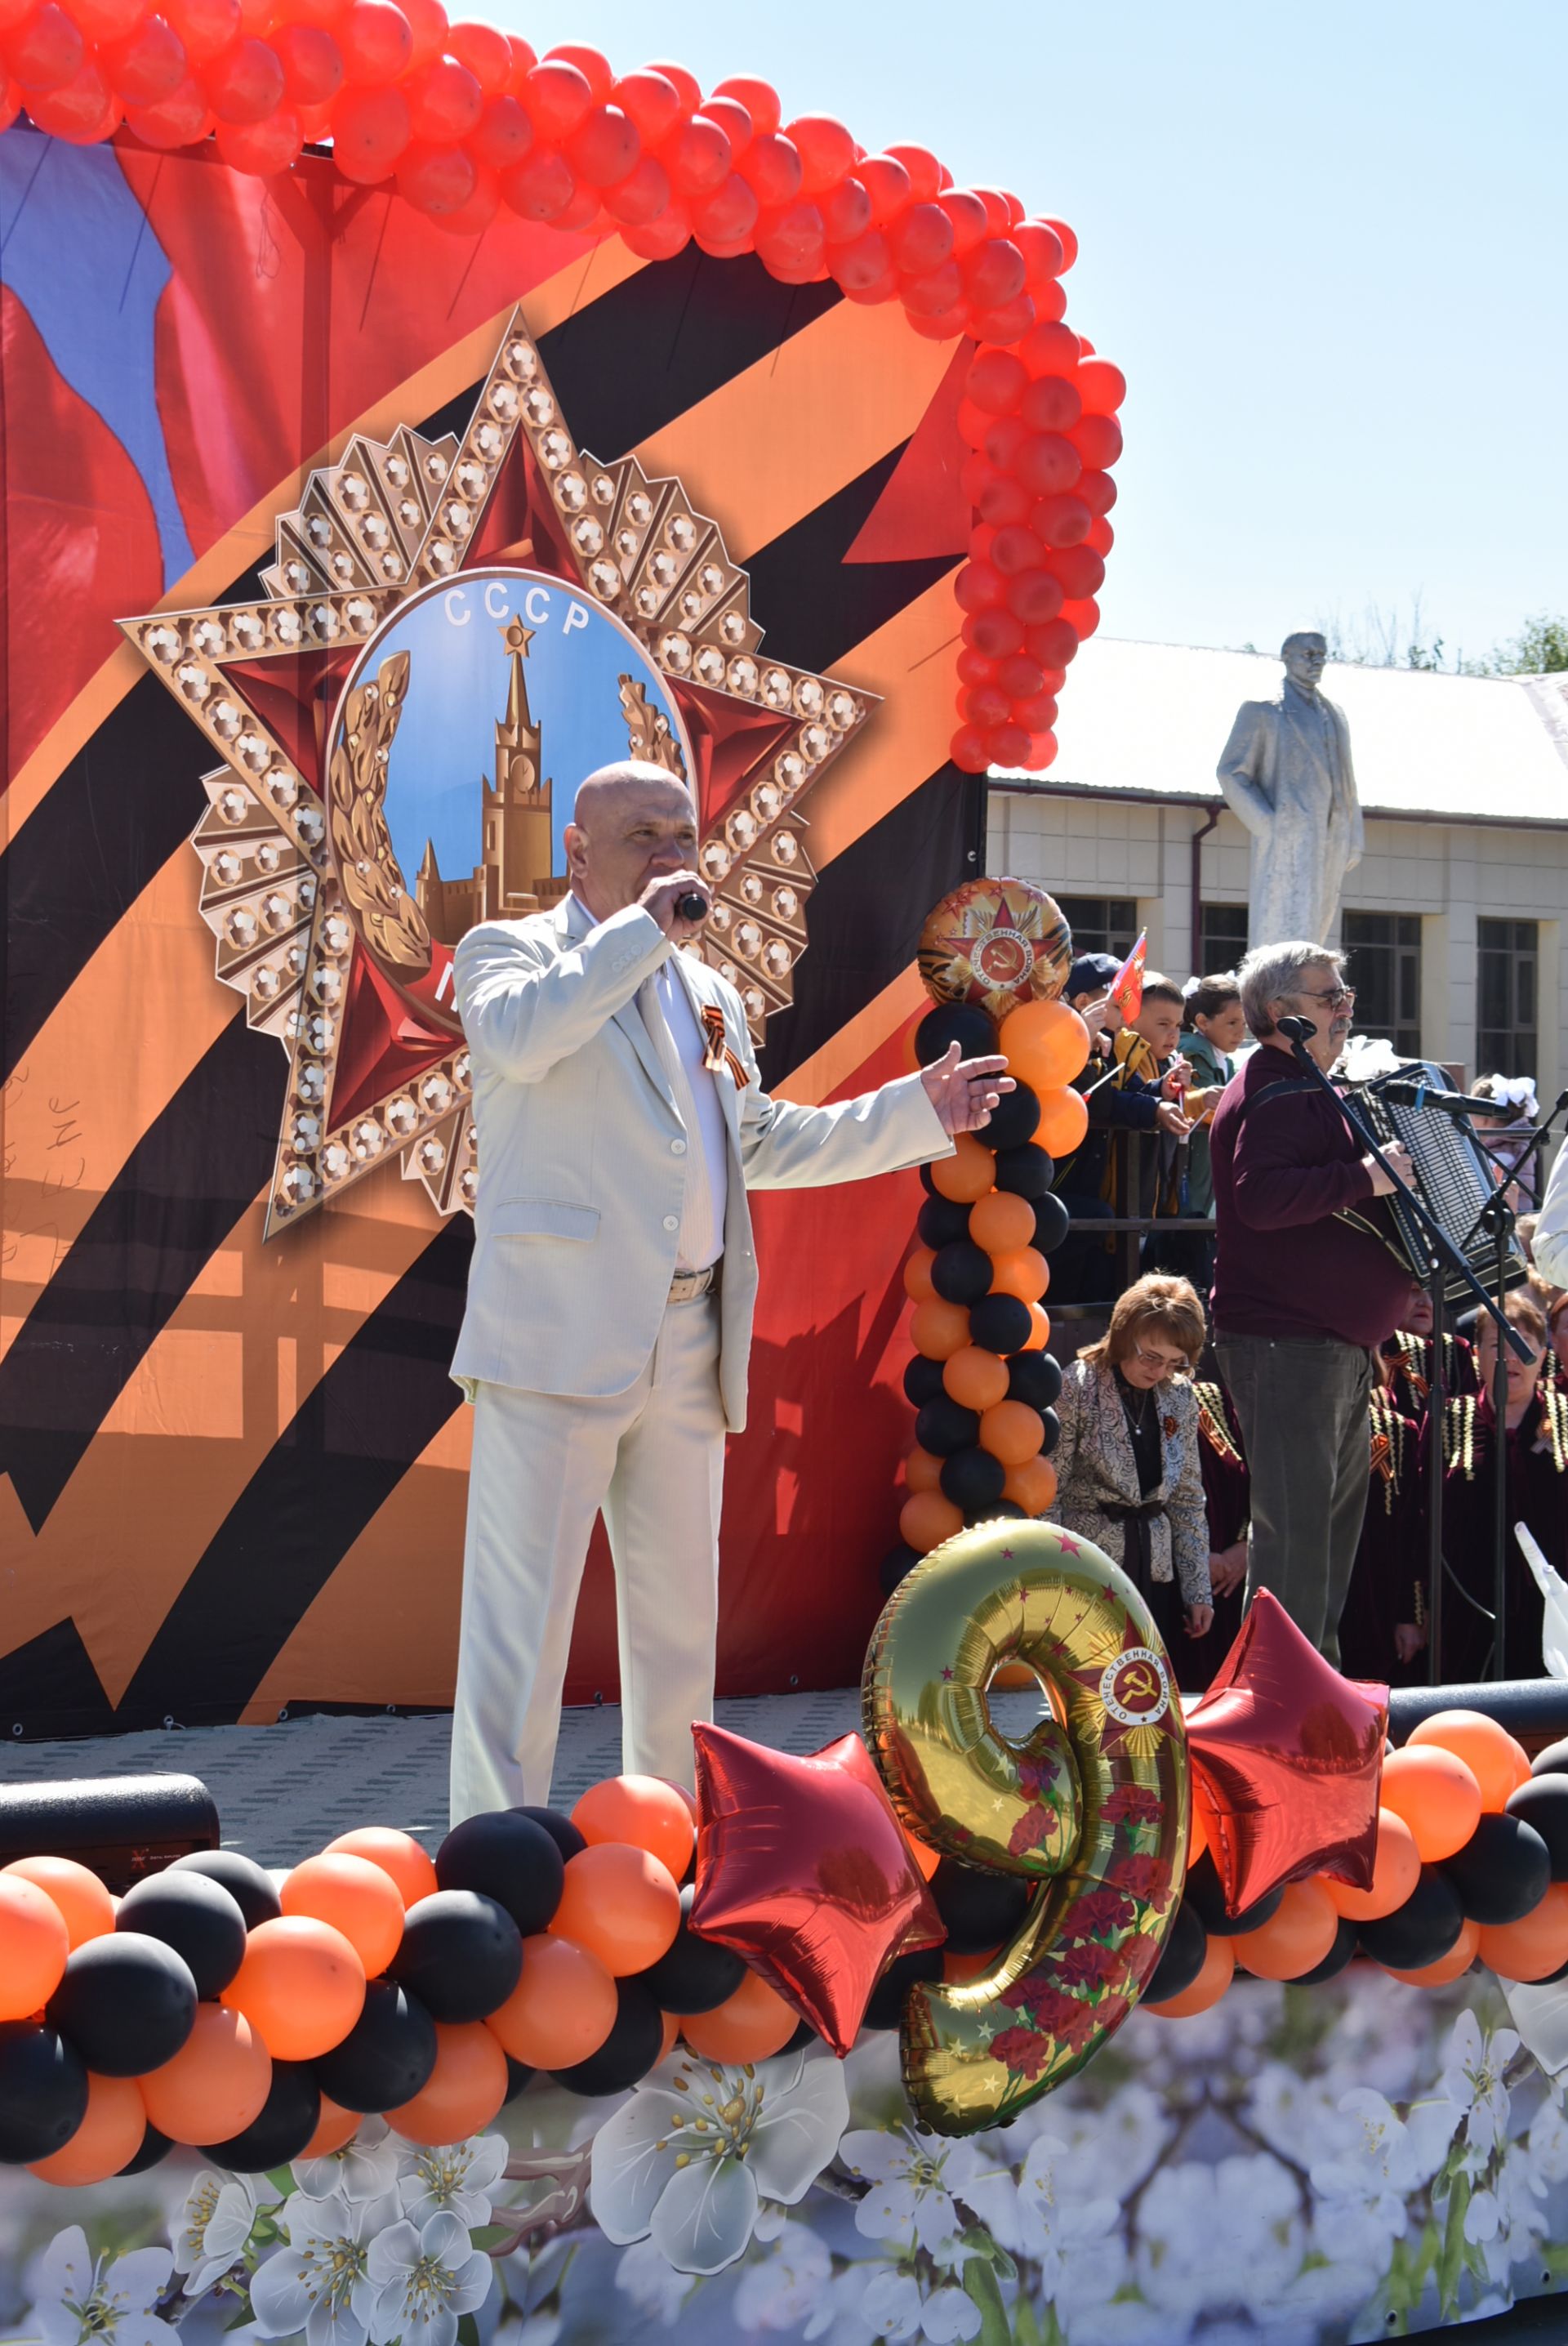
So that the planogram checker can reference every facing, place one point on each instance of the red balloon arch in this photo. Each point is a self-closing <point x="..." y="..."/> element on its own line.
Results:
<point x="462" y="119"/>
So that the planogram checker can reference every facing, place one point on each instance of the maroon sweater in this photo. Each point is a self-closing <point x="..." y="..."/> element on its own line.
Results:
<point x="1284" y="1166"/>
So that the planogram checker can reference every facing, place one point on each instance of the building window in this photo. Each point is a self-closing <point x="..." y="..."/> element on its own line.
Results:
<point x="1106" y="924"/>
<point x="1505" y="1035"/>
<point x="1384" y="951"/>
<point x="1221" y="938"/>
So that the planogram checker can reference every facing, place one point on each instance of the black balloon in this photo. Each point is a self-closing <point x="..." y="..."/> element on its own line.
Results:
<point x="628" y="2052"/>
<point x="961" y="1272"/>
<point x="1206" y="1894"/>
<point x="388" y="2055"/>
<point x="126" y="2003"/>
<point x="804" y="2037"/>
<point x="250" y="1885"/>
<point x="1182" y="1957"/>
<point x="1000" y="1324"/>
<point x="518" y="2077"/>
<point x="462" y="1954"/>
<point x="1543" y="1803"/>
<point x="1420" y="1932"/>
<point x="896" y="1567"/>
<point x="282" y="2127"/>
<point x="1051" y="1432"/>
<point x="886" y="2007"/>
<point x="922" y="1380"/>
<point x="927" y="1184"/>
<point x="1008" y="1511"/>
<point x="1050" y="1222"/>
<point x="1013" y="1121"/>
<point x="1340" y="1954"/>
<point x="196" y="1916"/>
<point x="43" y="2091"/>
<point x="1027" y="1171"/>
<point x="945" y="1425"/>
<point x="942" y="1221"/>
<point x="973" y="1480"/>
<point x="1552" y="1761"/>
<point x="1034" y="1377"/>
<point x="981" y="1910"/>
<point x="964" y="1023"/>
<point x="504" y="1855"/>
<point x="1504" y="1871"/>
<point x="561" y="1830"/>
<point x="693" y="1974"/>
<point x="154" y="2148"/>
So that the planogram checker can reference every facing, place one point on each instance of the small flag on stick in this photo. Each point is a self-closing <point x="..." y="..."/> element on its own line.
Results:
<point x="1128" y="986"/>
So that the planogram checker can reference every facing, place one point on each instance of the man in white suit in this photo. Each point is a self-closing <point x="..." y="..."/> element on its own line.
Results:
<point x="621" y="1119"/>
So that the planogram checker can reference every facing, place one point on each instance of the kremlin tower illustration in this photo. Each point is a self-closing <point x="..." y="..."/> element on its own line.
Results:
<point x="513" y="875"/>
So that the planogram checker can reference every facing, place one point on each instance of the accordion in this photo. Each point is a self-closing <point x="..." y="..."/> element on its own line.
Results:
<point x="1453" y="1175"/>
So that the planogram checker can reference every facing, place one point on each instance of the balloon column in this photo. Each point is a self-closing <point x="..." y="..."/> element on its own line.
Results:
<point x="995" y="956"/>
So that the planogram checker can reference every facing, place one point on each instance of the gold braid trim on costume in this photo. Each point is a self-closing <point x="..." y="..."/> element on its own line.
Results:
<point x="1459" y="1434"/>
<point x="1211" y="1423"/>
<point x="1555" y="1409"/>
<point x="1391" y="1439"/>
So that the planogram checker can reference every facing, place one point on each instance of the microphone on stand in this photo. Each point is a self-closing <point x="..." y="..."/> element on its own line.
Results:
<point x="1299" y="1031"/>
<point x="692" y="907"/>
<point x="1406" y="1094"/>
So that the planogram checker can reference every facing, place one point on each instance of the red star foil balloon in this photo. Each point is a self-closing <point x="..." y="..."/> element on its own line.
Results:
<point x="803" y="1868"/>
<point x="1286" y="1760"/>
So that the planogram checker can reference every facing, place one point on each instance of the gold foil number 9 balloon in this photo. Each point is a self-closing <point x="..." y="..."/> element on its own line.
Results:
<point x="1093" y="1805"/>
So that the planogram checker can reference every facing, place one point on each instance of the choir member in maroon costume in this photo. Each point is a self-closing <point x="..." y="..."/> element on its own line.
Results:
<point x="1228" y="1496"/>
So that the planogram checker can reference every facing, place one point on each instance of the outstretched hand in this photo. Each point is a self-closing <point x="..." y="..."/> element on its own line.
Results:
<point x="964" y="1091"/>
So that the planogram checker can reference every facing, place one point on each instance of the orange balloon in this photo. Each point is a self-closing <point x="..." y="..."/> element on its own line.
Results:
<point x="1063" y="1121"/>
<point x="1533" y="1948"/>
<point x="1045" y="1044"/>
<point x="110" y="2135"/>
<point x="1486" y="1748"/>
<point x="1032" y="1487"/>
<point x="84" y="1902"/>
<point x="751" y="2026"/>
<point x="1521" y="1763"/>
<point x="334" y="2127"/>
<point x="926" y="1519"/>
<point x="1396" y="1870"/>
<point x="1296" y="1937"/>
<point x="1219" y="1970"/>
<point x="1010" y="1431"/>
<point x="671" y="2034"/>
<point x="968" y="1174"/>
<point x="955" y="1969"/>
<point x="1002" y="1223"/>
<point x="621" y="1904"/>
<point x="216" y="2082"/>
<point x="302" y="1986"/>
<point x="643" y="1811"/>
<point x="1451" y="1967"/>
<point x="1025" y="1274"/>
<point x="1436" y="1795"/>
<point x="562" y="2008"/>
<point x="397" y="1853"/>
<point x="938" y="1329"/>
<point x="924" y="1856"/>
<point x="33" y="1945"/>
<point x="922" y="1471"/>
<point x="1039" y="1334"/>
<point x="355" y="1897"/>
<point x="463" y="2091"/>
<point x="973" y="1377"/>
<point x="1196" y="1833"/>
<point x="916" y="1275"/>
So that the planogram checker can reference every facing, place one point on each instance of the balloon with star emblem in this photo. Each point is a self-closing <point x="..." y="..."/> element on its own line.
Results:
<point x="996" y="942"/>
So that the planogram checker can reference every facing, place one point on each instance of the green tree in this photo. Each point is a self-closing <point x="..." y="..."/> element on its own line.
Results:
<point x="1540" y="648"/>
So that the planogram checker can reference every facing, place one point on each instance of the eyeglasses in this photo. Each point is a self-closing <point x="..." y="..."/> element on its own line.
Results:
<point x="1334" y="997"/>
<point x="1163" y="1362"/>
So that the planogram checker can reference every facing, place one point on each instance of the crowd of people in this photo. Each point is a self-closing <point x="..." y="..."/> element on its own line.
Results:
<point x="1257" y="1413"/>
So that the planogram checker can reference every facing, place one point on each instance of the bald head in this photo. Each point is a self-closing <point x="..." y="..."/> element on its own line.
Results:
<point x="631" y="823"/>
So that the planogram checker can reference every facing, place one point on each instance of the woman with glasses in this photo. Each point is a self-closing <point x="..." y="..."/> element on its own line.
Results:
<point x="1128" y="1469"/>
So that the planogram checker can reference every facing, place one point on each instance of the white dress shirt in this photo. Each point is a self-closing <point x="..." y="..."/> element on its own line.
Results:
<point x="708" y="1165"/>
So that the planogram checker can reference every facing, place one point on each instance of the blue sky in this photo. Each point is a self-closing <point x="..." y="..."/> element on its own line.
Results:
<point x="445" y="743"/>
<point x="1326" y="244"/>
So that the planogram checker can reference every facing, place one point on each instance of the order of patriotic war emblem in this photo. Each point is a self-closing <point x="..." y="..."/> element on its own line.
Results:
<point x="1136" y="1687"/>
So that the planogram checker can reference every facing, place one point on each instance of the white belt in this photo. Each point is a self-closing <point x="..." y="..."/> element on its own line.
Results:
<point x="686" y="1286"/>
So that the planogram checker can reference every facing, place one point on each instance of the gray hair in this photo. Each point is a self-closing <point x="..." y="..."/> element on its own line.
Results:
<point x="1270" y="972"/>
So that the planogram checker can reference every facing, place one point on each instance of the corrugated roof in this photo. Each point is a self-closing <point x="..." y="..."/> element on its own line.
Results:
<point x="1154" y="718"/>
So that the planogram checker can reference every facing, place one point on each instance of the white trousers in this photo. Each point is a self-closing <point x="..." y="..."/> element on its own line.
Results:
<point x="652" y="1458"/>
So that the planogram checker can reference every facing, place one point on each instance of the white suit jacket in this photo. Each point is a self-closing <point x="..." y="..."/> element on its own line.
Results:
<point x="582" y="1155"/>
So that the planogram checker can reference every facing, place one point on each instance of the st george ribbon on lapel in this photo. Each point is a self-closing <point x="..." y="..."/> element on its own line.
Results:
<point x="717" y="1054"/>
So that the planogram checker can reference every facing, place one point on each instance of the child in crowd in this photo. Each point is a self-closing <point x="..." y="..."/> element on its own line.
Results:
<point x="1081" y="1267"/>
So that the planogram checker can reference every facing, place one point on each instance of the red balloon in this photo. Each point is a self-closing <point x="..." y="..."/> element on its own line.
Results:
<point x="1038" y="712"/>
<point x="1005" y="438"/>
<point x="726" y="217"/>
<point x="998" y="212"/>
<point x="177" y="121"/>
<point x="652" y="101"/>
<point x="986" y="705"/>
<point x="994" y="273"/>
<point x="147" y="65"/>
<point x="924" y="171"/>
<point x="1080" y="569"/>
<point x="686" y="84"/>
<point x="1050" y="349"/>
<point x="592" y="64"/>
<point x="1008" y="324"/>
<point x="83" y="113"/>
<point x="887" y="183"/>
<point x="792" y="237"/>
<point x="995" y="632"/>
<point x="733" y="120"/>
<point x="663" y="237"/>
<point x="107" y="20"/>
<point x="1063" y="520"/>
<point x="584" y="212"/>
<point x="503" y="135"/>
<point x="770" y="166"/>
<point x="846" y="212"/>
<point x="369" y="131"/>
<point x="974" y="424"/>
<point x="1101" y="386"/>
<point x="377" y="44"/>
<point x="826" y="150"/>
<point x="998" y="381"/>
<point x="246" y="83"/>
<point x="1082" y="616"/>
<point x="1049" y="403"/>
<point x="1053" y="642"/>
<point x="1020" y="677"/>
<point x="524" y="61"/>
<point x="557" y="96"/>
<point x="1098" y="439"/>
<point x="803" y="1868"/>
<point x="759" y="98"/>
<point x="1017" y="549"/>
<point x="605" y="147"/>
<point x="642" y="196"/>
<point x="934" y="295"/>
<point x="47" y="52"/>
<point x="864" y="269"/>
<point x="1003" y="500"/>
<point x="1047" y="463"/>
<point x="1098" y="491"/>
<point x="698" y="157"/>
<point x="921" y="240"/>
<point x="1041" y="249"/>
<point x="261" y="148"/>
<point x="444" y="103"/>
<point x="435" y="178"/>
<point x="974" y="668"/>
<point x="970" y="223"/>
<point x="312" y="63"/>
<point x="473" y="216"/>
<point x="427" y="25"/>
<point x="1068" y="241"/>
<point x="1009" y="745"/>
<point x="969" y="750"/>
<point x="540" y="187"/>
<point x="1034" y="596"/>
<point x="482" y="50"/>
<point x="978" y="586"/>
<point x="976" y="473"/>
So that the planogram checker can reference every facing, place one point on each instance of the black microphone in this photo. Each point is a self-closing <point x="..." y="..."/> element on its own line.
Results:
<point x="691" y="907"/>
<point x="1295" y="1030"/>
<point x="1406" y="1094"/>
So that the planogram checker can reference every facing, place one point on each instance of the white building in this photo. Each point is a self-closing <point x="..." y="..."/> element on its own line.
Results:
<point x="1453" y="918"/>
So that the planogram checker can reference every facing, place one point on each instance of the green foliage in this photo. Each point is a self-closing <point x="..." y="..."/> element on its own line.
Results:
<point x="1540" y="648"/>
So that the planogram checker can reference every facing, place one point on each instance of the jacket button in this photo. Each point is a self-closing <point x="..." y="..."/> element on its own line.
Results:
<point x="672" y="1221"/>
<point x="677" y="1148"/>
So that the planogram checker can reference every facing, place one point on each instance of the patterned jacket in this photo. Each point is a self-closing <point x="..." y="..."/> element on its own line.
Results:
<point x="1095" y="1469"/>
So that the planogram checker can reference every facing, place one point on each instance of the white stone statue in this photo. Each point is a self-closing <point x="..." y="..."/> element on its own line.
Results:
<point x="1287" y="772"/>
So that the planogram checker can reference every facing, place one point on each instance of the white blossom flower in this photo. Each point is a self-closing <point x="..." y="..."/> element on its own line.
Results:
<point x="516" y="2327"/>
<point x="424" y="2277"/>
<point x="1472" y="2079"/>
<point x="1047" y="2213"/>
<point x="1548" y="2142"/>
<point x="320" y="2282"/>
<point x="652" y="2282"/>
<point x="365" y="2169"/>
<point x="1217" y="2236"/>
<point x="781" y="2289"/>
<point x="79" y="2300"/>
<point x="1376" y="2168"/>
<point x="458" y="2177"/>
<point x="896" y="2308"/>
<point x="911" y="2193"/>
<point x="212" y="2227"/>
<point x="687" y="2158"/>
